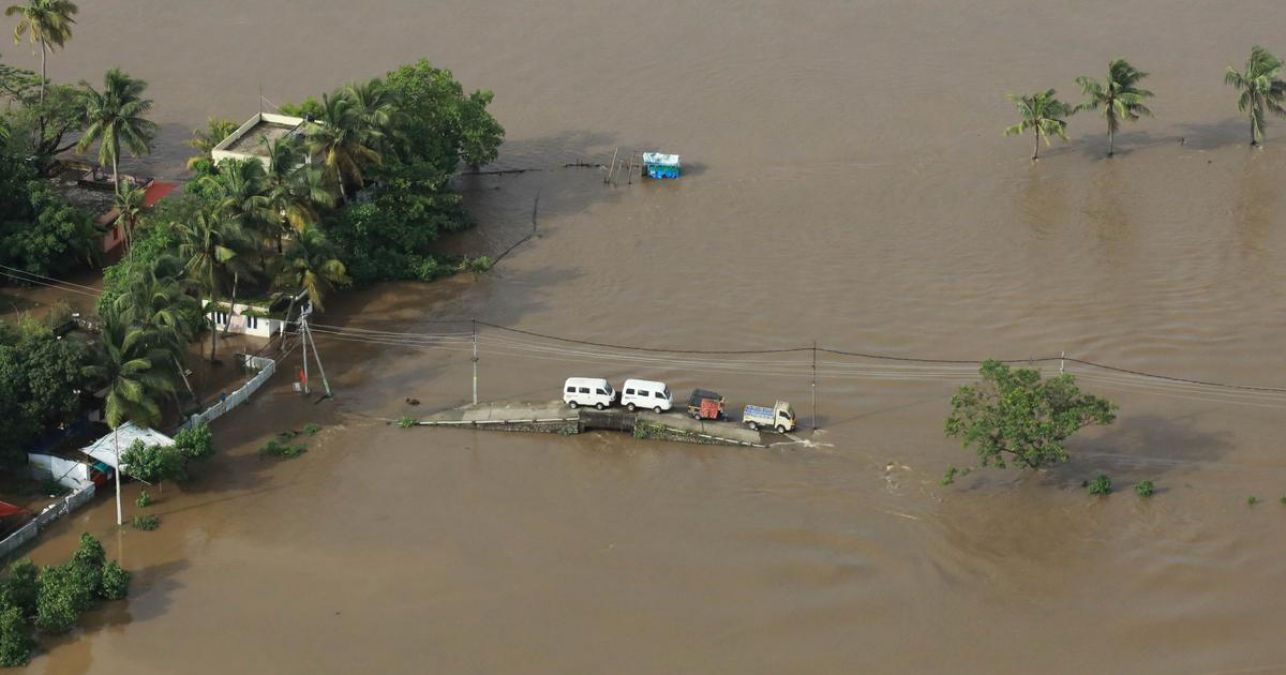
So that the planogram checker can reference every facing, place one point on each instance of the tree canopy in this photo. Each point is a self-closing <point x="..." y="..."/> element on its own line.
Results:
<point x="1118" y="97"/>
<point x="1042" y="114"/>
<point x="1262" y="91"/>
<point x="1014" y="416"/>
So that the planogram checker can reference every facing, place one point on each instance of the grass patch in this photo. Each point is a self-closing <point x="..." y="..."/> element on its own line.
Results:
<point x="407" y="422"/>
<point x="312" y="429"/>
<point x="277" y="448"/>
<point x="1145" y="488"/>
<point x="144" y="500"/>
<point x="145" y="523"/>
<point x="1101" y="486"/>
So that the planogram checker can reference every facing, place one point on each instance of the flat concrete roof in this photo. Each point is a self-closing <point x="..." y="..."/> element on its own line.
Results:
<point x="248" y="140"/>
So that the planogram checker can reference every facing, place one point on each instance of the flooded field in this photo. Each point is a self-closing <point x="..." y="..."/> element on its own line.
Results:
<point x="848" y="184"/>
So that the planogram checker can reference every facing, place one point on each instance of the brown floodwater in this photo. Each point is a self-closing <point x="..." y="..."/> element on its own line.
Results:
<point x="848" y="184"/>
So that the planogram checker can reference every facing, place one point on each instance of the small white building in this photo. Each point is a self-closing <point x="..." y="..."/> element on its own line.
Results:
<point x="244" y="319"/>
<point x="104" y="449"/>
<point x="248" y="141"/>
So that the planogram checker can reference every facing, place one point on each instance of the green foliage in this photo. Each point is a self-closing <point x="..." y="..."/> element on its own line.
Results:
<point x="1042" y="114"/>
<point x="41" y="385"/>
<point x="135" y="370"/>
<point x="1262" y="92"/>
<point x="479" y="264"/>
<point x="444" y="126"/>
<point x="204" y="140"/>
<point x="16" y="643"/>
<point x="116" y="581"/>
<point x="22" y="586"/>
<point x="154" y="463"/>
<point x="144" y="499"/>
<point x="312" y="263"/>
<point x="1014" y="415"/>
<point x="1145" y="488"/>
<point x="43" y="233"/>
<point x="1101" y="486"/>
<point x="1119" y="97"/>
<point x="145" y="523"/>
<point x="950" y="476"/>
<point x="407" y="422"/>
<point x="65" y="592"/>
<point x="312" y="429"/>
<point x="115" y="117"/>
<point x="277" y="448"/>
<point x="1252" y="500"/>
<point x="196" y="442"/>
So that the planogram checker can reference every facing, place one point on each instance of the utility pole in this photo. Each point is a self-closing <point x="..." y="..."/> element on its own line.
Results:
<point x="303" y="338"/>
<point x="475" y="362"/>
<point x="1062" y="362"/>
<point x="116" y="440"/>
<point x="814" y="385"/>
<point x="317" y="358"/>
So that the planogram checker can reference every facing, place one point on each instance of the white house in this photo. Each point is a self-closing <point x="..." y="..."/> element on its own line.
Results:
<point x="244" y="319"/>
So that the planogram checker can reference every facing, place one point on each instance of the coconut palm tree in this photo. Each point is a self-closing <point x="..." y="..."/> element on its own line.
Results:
<point x="1261" y="91"/>
<point x="208" y="244"/>
<point x="129" y="206"/>
<point x="1043" y="114"/>
<point x="296" y="191"/>
<point x="238" y="190"/>
<point x="310" y="264"/>
<point x="155" y="300"/>
<point x="215" y="131"/>
<point x="116" y="116"/>
<point x="342" y="140"/>
<point x="1119" y="97"/>
<point x="128" y="366"/>
<point x="46" y="23"/>
<point x="376" y="111"/>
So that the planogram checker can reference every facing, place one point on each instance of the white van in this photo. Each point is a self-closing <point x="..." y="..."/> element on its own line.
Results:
<point x="589" y="391"/>
<point x="646" y="394"/>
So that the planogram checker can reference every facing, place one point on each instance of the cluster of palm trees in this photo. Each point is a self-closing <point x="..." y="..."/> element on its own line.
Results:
<point x="1120" y="99"/>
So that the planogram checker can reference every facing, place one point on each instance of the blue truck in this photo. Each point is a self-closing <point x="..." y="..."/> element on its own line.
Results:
<point x="780" y="417"/>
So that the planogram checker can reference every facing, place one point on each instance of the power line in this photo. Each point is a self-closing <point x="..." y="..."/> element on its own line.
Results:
<point x="60" y="287"/>
<point x="49" y="279"/>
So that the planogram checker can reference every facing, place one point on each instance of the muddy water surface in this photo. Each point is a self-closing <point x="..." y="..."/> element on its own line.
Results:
<point x="848" y="184"/>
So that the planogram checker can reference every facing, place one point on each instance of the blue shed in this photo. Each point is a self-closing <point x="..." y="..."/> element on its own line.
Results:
<point x="660" y="165"/>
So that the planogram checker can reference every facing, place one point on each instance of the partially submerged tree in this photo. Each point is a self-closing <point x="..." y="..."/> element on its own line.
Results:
<point x="1043" y="115"/>
<point x="1014" y="416"/>
<point x="204" y="140"/>
<point x="1261" y="90"/>
<point x="1119" y="97"/>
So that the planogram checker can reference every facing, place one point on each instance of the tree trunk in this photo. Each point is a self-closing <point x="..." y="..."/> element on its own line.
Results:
<point x="236" y="279"/>
<point x="1035" y="155"/>
<point x="1111" y="141"/>
<point x="116" y="176"/>
<point x="43" y="78"/>
<point x="214" y="328"/>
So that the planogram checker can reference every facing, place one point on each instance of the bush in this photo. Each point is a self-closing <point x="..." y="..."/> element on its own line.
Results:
<point x="312" y="429"/>
<point x="87" y="564"/>
<point x="115" y="581"/>
<point x="15" y="637"/>
<point x="23" y="586"/>
<point x="1101" y="486"/>
<point x="196" y="442"/>
<point x="276" y="448"/>
<point x="1145" y="489"/>
<point x="407" y="422"/>
<point x="950" y="476"/>
<point x="1252" y="500"/>
<point x="145" y="523"/>
<point x="144" y="500"/>
<point x="63" y="596"/>
<point x="154" y="463"/>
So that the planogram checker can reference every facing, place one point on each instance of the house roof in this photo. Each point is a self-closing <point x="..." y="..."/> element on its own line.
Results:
<point x="104" y="449"/>
<point x="156" y="191"/>
<point x="660" y="158"/>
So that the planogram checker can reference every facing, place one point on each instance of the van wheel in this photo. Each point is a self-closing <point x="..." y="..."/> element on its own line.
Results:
<point x="573" y="405"/>
<point x="599" y="406"/>
<point x="753" y="426"/>
<point x="781" y="429"/>
<point x="630" y="407"/>
<point x="657" y="410"/>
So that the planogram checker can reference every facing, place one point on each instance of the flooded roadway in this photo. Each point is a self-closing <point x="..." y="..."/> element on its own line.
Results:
<point x="848" y="184"/>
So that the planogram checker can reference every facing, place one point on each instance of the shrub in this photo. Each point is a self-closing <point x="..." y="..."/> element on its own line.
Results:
<point x="115" y="581"/>
<point x="312" y="429"/>
<point x="144" y="500"/>
<point x="1100" y="486"/>
<point x="950" y="477"/>
<point x="87" y="564"/>
<point x="276" y="448"/>
<point x="145" y="523"/>
<point x="154" y="463"/>
<point x="407" y="422"/>
<point x="61" y="599"/>
<point x="15" y="637"/>
<point x="1145" y="488"/>
<point x="479" y="264"/>
<point x="1252" y="500"/>
<point x="196" y="442"/>
<point x="23" y="585"/>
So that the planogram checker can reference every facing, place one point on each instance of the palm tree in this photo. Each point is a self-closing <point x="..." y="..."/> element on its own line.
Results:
<point x="129" y="206"/>
<point x="115" y="116"/>
<point x="125" y="364"/>
<point x="295" y="191"/>
<point x="208" y="244"/>
<point x="1261" y="91"/>
<point x="375" y="109"/>
<point x="155" y="300"/>
<point x="310" y="264"/>
<point x="215" y="131"/>
<point x="238" y="190"/>
<point x="46" y="23"/>
<point x="1043" y="114"/>
<point x="1119" y="97"/>
<point x="340" y="137"/>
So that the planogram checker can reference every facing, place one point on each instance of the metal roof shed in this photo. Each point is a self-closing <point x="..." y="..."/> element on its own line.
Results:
<point x="660" y="165"/>
<point x="104" y="449"/>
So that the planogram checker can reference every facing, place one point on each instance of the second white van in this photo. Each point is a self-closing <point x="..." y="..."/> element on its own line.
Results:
<point x="588" y="391"/>
<point x="646" y="395"/>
